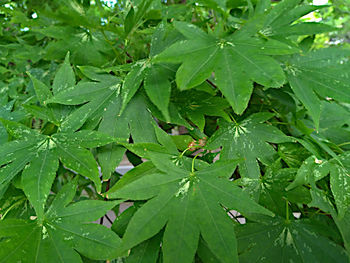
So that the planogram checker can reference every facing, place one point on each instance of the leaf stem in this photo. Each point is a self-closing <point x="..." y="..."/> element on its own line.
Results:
<point x="192" y="169"/>
<point x="343" y="144"/>
<point x="232" y="118"/>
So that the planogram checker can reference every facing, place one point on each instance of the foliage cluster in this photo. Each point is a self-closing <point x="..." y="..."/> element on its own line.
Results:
<point x="236" y="123"/>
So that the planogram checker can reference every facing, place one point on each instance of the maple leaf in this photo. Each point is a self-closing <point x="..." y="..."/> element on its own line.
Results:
<point x="60" y="233"/>
<point x="248" y="139"/>
<point x="190" y="203"/>
<point x="237" y="60"/>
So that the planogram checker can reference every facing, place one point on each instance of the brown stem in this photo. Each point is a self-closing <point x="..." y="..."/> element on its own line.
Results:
<point x="211" y="83"/>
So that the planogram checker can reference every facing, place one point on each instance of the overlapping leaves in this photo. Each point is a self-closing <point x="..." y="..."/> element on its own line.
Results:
<point x="194" y="200"/>
<point x="322" y="72"/>
<point x="231" y="54"/>
<point x="38" y="156"/>
<point x="248" y="140"/>
<point x="280" y="240"/>
<point x="61" y="233"/>
<point x="100" y="101"/>
<point x="283" y="19"/>
<point x="235" y="65"/>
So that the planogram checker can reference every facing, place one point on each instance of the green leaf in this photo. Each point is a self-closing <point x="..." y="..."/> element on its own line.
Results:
<point x="273" y="194"/>
<point x="311" y="170"/>
<point x="37" y="178"/>
<point x="14" y="156"/>
<point x="307" y="28"/>
<point x="84" y="138"/>
<point x="64" y="77"/>
<point x="8" y="172"/>
<point x="323" y="72"/>
<point x="81" y="161"/>
<point x="340" y="184"/>
<point x="248" y="140"/>
<point x="197" y="68"/>
<point x="195" y="105"/>
<point x="109" y="156"/>
<point x="307" y="97"/>
<point x="180" y="197"/>
<point x="140" y="120"/>
<point x="181" y="232"/>
<point x="20" y="131"/>
<point x="165" y="139"/>
<point x="132" y="83"/>
<point x="80" y="93"/>
<point x="77" y="118"/>
<point x="83" y="211"/>
<point x="64" y="232"/>
<point x="233" y="83"/>
<point x="280" y="241"/>
<point x="42" y="113"/>
<point x="129" y="21"/>
<point x="22" y="236"/>
<point x="145" y="252"/>
<point x="134" y="174"/>
<point x="280" y="20"/>
<point x="215" y="226"/>
<point x="42" y="92"/>
<point x="190" y="31"/>
<point x="158" y="88"/>
<point x="262" y="69"/>
<point x="240" y="56"/>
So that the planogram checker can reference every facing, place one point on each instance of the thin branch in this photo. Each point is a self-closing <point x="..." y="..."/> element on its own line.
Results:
<point x="109" y="220"/>
<point x="211" y="83"/>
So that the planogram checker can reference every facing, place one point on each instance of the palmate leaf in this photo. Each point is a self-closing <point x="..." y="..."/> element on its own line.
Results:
<point x="273" y="194"/>
<point x="248" y="140"/>
<point x="39" y="155"/>
<point x="102" y="104"/>
<point x="322" y="201"/>
<point x="323" y="72"/>
<point x="157" y="85"/>
<point x="98" y="95"/>
<point x="334" y="124"/>
<point x="195" y="105"/>
<point x="286" y="241"/>
<point x="237" y="61"/>
<point x="280" y="21"/>
<point x="313" y="170"/>
<point x="63" y="80"/>
<point x="156" y="77"/>
<point x="188" y="203"/>
<point x="61" y="233"/>
<point x="8" y="112"/>
<point x="77" y="41"/>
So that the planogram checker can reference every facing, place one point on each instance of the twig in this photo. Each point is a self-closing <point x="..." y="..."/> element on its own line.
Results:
<point x="211" y="83"/>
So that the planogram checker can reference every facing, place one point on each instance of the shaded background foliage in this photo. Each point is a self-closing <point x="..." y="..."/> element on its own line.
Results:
<point x="264" y="89"/>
